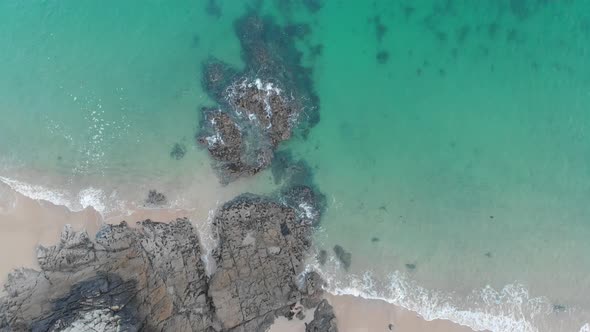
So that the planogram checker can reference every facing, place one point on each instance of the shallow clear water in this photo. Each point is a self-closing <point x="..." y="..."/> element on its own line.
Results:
<point x="461" y="159"/>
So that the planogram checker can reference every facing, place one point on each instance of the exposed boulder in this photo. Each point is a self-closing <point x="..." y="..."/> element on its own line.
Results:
<point x="324" y="319"/>
<point x="262" y="245"/>
<point x="128" y="279"/>
<point x="152" y="277"/>
<point x="178" y="151"/>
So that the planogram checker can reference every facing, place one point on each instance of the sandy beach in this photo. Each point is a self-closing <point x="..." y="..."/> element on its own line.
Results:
<point x="355" y="314"/>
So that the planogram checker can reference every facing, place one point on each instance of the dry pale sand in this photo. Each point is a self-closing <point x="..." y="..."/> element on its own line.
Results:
<point x="355" y="314"/>
<point x="26" y="223"/>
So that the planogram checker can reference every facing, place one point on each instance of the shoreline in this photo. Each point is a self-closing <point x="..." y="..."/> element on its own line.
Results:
<point x="27" y="223"/>
<point x="23" y="232"/>
<point x="357" y="314"/>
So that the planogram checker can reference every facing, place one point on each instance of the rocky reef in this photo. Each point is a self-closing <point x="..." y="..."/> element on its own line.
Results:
<point x="152" y="277"/>
<point x="260" y="106"/>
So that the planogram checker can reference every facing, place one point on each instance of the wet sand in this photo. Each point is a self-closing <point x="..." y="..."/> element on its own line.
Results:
<point x="355" y="314"/>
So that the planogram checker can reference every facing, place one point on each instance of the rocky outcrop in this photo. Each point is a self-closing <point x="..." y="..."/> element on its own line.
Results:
<point x="324" y="319"/>
<point x="152" y="277"/>
<point x="128" y="279"/>
<point x="259" y="107"/>
<point x="262" y="244"/>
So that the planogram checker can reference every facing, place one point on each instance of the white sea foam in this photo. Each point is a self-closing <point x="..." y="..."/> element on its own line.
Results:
<point x="508" y="309"/>
<point x="92" y="197"/>
<point x="308" y="211"/>
<point x="37" y="192"/>
<point x="88" y="197"/>
<point x="208" y="241"/>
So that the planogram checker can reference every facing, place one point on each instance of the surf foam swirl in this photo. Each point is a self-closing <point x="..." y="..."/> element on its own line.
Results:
<point x="85" y="198"/>
<point x="511" y="308"/>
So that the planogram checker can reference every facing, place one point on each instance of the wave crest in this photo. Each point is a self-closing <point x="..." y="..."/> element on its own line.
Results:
<point x="510" y="308"/>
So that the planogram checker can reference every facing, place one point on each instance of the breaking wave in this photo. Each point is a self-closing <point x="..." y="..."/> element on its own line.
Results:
<point x="85" y="198"/>
<point x="510" y="308"/>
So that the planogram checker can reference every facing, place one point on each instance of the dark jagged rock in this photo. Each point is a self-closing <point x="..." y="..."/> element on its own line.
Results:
<point x="265" y="108"/>
<point x="155" y="199"/>
<point x="324" y="319"/>
<point x="242" y="141"/>
<point x="263" y="104"/>
<point x="258" y="262"/>
<point x="152" y="278"/>
<point x="229" y="147"/>
<point x="178" y="151"/>
<point x="149" y="278"/>
<point x="101" y="303"/>
<point x="343" y="256"/>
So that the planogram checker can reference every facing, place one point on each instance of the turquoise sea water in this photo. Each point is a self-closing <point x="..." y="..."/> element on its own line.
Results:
<point x="453" y="144"/>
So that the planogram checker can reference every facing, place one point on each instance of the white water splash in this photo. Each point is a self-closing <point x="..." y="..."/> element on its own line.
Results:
<point x="85" y="198"/>
<point x="508" y="309"/>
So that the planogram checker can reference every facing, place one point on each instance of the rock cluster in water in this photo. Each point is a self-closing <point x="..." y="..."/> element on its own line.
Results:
<point x="259" y="107"/>
<point x="152" y="277"/>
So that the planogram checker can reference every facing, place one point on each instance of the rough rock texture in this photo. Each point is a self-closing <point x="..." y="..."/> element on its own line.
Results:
<point x="266" y="106"/>
<point x="324" y="319"/>
<point x="227" y="146"/>
<point x="262" y="244"/>
<point x="259" y="107"/>
<point x="152" y="278"/>
<point x="149" y="278"/>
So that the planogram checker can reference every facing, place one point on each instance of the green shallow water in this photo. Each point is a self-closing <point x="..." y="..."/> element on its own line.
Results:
<point x="465" y="152"/>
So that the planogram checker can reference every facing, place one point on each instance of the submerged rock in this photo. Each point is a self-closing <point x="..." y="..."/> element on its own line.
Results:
<point x="227" y="145"/>
<point x="343" y="256"/>
<point x="262" y="105"/>
<point x="152" y="278"/>
<point x="178" y="151"/>
<point x="324" y="319"/>
<point x="289" y="171"/>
